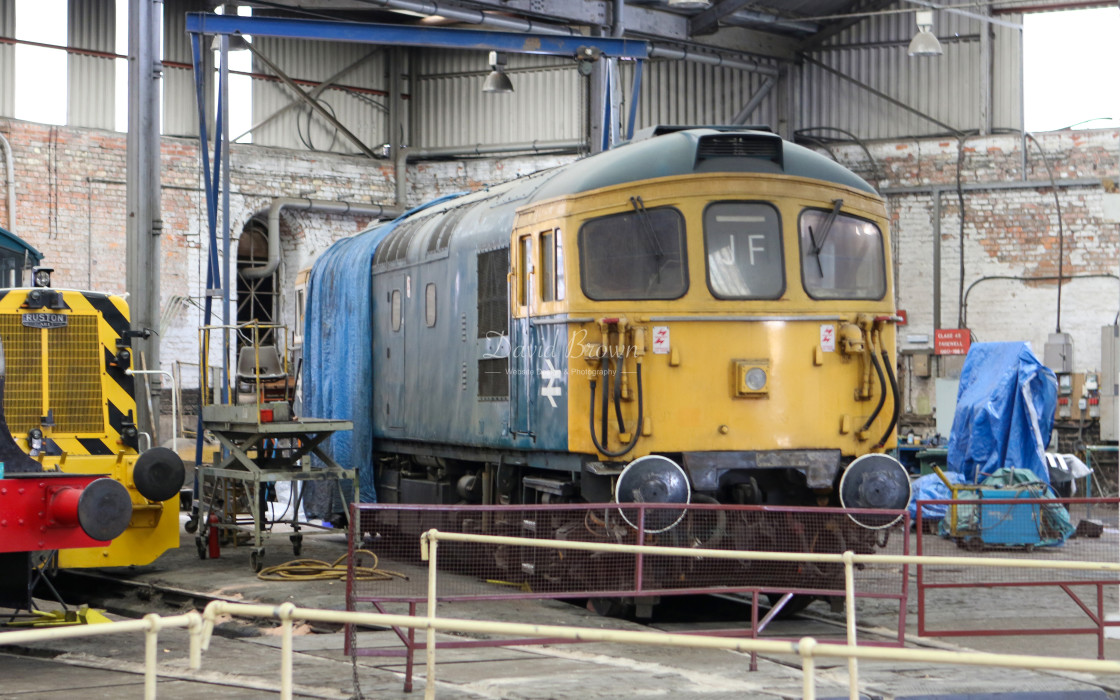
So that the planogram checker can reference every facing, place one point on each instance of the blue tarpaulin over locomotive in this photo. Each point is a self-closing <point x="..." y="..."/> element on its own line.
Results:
<point x="337" y="371"/>
<point x="1005" y="412"/>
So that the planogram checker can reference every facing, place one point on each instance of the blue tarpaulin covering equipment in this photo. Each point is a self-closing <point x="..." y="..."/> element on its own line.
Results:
<point x="337" y="354"/>
<point x="1050" y="525"/>
<point x="931" y="488"/>
<point x="1005" y="412"/>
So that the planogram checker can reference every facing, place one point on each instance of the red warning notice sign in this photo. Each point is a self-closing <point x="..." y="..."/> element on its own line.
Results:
<point x="951" y="341"/>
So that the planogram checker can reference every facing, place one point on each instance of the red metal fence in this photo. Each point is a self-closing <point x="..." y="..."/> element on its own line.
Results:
<point x="475" y="572"/>
<point x="1017" y="529"/>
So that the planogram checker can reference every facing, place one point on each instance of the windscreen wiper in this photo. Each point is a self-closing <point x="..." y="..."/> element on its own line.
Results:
<point x="651" y="235"/>
<point x="825" y="229"/>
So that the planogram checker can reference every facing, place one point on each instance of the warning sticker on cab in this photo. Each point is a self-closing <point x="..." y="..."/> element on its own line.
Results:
<point x="828" y="337"/>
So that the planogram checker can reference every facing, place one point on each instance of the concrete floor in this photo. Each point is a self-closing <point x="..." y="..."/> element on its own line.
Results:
<point x="243" y="662"/>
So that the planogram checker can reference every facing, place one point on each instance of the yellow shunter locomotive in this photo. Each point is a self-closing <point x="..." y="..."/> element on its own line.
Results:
<point x="69" y="404"/>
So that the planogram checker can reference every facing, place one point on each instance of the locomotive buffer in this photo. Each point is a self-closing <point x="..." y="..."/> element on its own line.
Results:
<point x="262" y="443"/>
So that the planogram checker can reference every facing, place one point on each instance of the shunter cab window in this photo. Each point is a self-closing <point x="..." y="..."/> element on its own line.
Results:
<point x="634" y="255"/>
<point x="841" y="260"/>
<point x="743" y="242"/>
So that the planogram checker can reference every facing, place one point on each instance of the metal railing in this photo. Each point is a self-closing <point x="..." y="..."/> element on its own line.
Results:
<point x="808" y="649"/>
<point x="623" y="577"/>
<point x="150" y="625"/>
<point x="429" y="543"/>
<point x="1021" y="529"/>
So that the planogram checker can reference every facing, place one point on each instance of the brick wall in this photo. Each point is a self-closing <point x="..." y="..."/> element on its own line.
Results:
<point x="1009" y="232"/>
<point x="70" y="185"/>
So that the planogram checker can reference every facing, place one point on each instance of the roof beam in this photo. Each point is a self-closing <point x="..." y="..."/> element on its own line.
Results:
<point x="864" y="10"/>
<point x="708" y="21"/>
<point x="401" y="35"/>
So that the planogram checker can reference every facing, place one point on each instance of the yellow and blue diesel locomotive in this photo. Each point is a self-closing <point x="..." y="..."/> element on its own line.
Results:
<point x="712" y="304"/>
<point x="69" y="408"/>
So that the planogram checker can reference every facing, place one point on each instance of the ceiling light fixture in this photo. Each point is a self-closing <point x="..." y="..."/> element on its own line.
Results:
<point x="497" y="81"/>
<point x="237" y="42"/>
<point x="924" y="42"/>
<point x="690" y="4"/>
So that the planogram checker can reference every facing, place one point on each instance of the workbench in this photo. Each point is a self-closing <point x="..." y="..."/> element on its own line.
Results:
<point x="261" y="443"/>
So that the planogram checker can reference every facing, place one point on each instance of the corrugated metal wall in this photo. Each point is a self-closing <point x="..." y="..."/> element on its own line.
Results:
<point x="180" y="110"/>
<point x="91" y="24"/>
<point x="362" y="113"/>
<point x="548" y="102"/>
<point x="683" y="92"/>
<point x="7" y="59"/>
<point x="946" y="88"/>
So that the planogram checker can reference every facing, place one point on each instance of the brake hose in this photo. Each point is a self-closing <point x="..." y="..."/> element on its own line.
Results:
<point x="882" y="385"/>
<point x="591" y="418"/>
<point x="606" y="372"/>
<point x="894" y="395"/>
<point x="616" y="377"/>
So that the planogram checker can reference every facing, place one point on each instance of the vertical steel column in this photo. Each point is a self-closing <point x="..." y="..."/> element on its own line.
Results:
<point x="635" y="95"/>
<point x="202" y="69"/>
<point x="143" y="224"/>
<point x="986" y="68"/>
<point x="222" y="137"/>
<point x="396" y="138"/>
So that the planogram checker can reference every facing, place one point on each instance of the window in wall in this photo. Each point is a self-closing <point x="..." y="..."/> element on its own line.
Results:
<point x="240" y="88"/>
<point x="1059" y="88"/>
<point x="120" y="68"/>
<point x="40" y="91"/>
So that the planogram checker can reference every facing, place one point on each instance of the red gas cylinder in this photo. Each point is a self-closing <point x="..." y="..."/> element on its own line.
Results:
<point x="212" y="537"/>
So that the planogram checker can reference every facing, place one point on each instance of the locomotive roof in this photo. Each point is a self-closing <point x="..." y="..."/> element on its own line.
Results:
<point x="483" y="218"/>
<point x="698" y="150"/>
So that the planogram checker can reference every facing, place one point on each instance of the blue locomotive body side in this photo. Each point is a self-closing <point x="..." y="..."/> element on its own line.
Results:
<point x="448" y="369"/>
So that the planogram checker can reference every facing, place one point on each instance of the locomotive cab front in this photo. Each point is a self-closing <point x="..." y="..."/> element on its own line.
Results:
<point x="736" y="320"/>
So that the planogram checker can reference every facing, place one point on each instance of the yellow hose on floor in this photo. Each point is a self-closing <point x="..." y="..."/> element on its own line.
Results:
<point x="316" y="570"/>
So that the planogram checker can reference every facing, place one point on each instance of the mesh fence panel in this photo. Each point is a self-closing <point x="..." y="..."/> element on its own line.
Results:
<point x="486" y="570"/>
<point x="1020" y="528"/>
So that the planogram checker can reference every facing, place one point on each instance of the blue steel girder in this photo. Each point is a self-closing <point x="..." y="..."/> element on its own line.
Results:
<point x="398" y="35"/>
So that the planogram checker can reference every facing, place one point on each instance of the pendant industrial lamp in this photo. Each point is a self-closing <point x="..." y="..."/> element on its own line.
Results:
<point x="497" y="81"/>
<point x="924" y="42"/>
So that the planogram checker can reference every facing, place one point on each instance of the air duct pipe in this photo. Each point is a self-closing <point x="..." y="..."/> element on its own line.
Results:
<point x="711" y="59"/>
<point x="10" y="175"/>
<point x="317" y="205"/>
